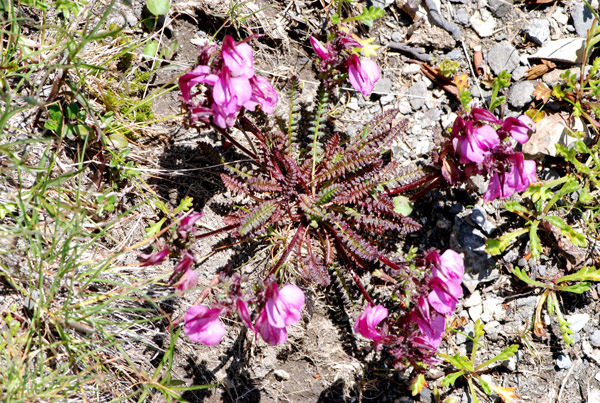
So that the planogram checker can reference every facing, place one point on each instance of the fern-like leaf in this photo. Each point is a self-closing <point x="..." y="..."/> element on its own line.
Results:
<point x="258" y="217"/>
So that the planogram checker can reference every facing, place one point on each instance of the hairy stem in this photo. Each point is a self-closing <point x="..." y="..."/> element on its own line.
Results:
<point x="414" y="184"/>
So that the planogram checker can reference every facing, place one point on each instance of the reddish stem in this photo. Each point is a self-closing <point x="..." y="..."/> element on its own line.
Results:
<point x="238" y="145"/>
<point x="217" y="231"/>
<point x="430" y="186"/>
<point x="412" y="185"/>
<point x="342" y="251"/>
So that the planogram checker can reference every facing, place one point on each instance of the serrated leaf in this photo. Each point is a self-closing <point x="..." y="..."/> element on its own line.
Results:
<point x="484" y="385"/>
<point x="417" y="384"/>
<point x="520" y="273"/>
<point x="542" y="92"/>
<point x="402" y="205"/>
<point x="498" y="245"/>
<point x="158" y="7"/>
<point x="578" y="288"/>
<point x="504" y="355"/>
<point x="184" y="204"/>
<point x="514" y="206"/>
<point x="451" y="378"/>
<point x="534" y="240"/>
<point x="155" y="228"/>
<point x="575" y="237"/>
<point x="458" y="361"/>
<point x="369" y="15"/>
<point x="584" y="274"/>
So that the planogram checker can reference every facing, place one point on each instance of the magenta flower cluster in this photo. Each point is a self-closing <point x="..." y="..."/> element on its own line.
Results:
<point x="280" y="309"/>
<point x="336" y="56"/>
<point x="429" y="312"/>
<point x="229" y="84"/>
<point x="484" y="145"/>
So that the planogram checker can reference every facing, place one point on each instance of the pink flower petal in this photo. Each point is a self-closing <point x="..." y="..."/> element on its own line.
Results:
<point x="238" y="58"/>
<point x="363" y="74"/>
<point x="367" y="322"/>
<point x="270" y="334"/>
<point x="202" y="325"/>
<point x="319" y="48"/>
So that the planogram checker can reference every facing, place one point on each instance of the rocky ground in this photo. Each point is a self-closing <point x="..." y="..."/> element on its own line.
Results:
<point x="318" y="364"/>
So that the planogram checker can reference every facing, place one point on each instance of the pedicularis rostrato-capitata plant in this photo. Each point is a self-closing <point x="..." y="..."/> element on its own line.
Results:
<point x="324" y="203"/>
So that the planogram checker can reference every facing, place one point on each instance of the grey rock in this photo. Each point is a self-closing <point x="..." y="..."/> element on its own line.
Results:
<point x="473" y="300"/>
<point x="578" y="321"/>
<point x="281" y="375"/>
<point x="383" y="86"/>
<point x="521" y="93"/>
<point x="519" y="73"/>
<point x="480" y="218"/>
<point x="417" y="94"/>
<point x="475" y="312"/>
<point x="590" y="352"/>
<point x="522" y="262"/>
<point x="595" y="338"/>
<point x="500" y="8"/>
<point x="567" y="50"/>
<point x="582" y="18"/>
<point x="461" y="16"/>
<point x="455" y="54"/>
<point x="563" y="362"/>
<point x="483" y="23"/>
<point x="538" y="30"/>
<point x="503" y="56"/>
<point x="382" y="3"/>
<point x="468" y="330"/>
<point x="387" y="99"/>
<point x="404" y="107"/>
<point x="397" y="37"/>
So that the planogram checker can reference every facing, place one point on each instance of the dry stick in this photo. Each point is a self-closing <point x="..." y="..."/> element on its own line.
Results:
<point x="564" y="382"/>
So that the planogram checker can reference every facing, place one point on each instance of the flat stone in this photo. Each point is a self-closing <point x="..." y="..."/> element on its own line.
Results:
<point x="281" y="375"/>
<point x="468" y="330"/>
<point x="595" y="338"/>
<point x="483" y="23"/>
<point x="473" y="300"/>
<point x="582" y="18"/>
<point x="519" y="73"/>
<point x="383" y="86"/>
<point x="578" y="321"/>
<point x="417" y="94"/>
<point x="404" y="107"/>
<point x="563" y="362"/>
<point x="461" y="16"/>
<point x="552" y="130"/>
<point x="475" y="312"/>
<point x="566" y="50"/>
<point x="503" y="56"/>
<point x="433" y="36"/>
<point x="500" y="8"/>
<point x="521" y="93"/>
<point x="538" y="30"/>
<point x="559" y="16"/>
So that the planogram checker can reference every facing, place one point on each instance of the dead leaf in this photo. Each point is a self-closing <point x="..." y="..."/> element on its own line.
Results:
<point x="434" y="75"/>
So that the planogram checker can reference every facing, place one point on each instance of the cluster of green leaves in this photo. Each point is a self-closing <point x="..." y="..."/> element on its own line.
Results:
<point x="472" y="372"/>
<point x="581" y="282"/>
<point x="580" y="94"/>
<point x="543" y="198"/>
<point x="367" y="16"/>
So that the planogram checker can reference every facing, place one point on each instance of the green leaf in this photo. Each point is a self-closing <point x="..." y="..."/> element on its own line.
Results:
<point x="585" y="196"/>
<point x="458" y="361"/>
<point x="369" y="15"/>
<point x="335" y="19"/>
<point x="578" y="288"/>
<point x="497" y="246"/>
<point x="417" y="384"/>
<point x="575" y="237"/>
<point x="158" y="7"/>
<point x="484" y="385"/>
<point x="402" y="205"/>
<point x="118" y="141"/>
<point x="504" y="355"/>
<point x="534" y="240"/>
<point x="151" y="49"/>
<point x="184" y="204"/>
<point x="584" y="274"/>
<point x="154" y="229"/>
<point x="451" y="378"/>
<point x="523" y="277"/>
<point x="514" y="206"/>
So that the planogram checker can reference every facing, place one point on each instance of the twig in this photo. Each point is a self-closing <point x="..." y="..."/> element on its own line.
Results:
<point x="564" y="382"/>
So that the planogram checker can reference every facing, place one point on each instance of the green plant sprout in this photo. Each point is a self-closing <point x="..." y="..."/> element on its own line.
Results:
<point x="581" y="281"/>
<point x="473" y="373"/>
<point x="581" y="95"/>
<point x="543" y="198"/>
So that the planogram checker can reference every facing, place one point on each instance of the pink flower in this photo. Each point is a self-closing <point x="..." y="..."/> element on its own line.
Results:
<point x="263" y="94"/>
<point x="238" y="57"/>
<point x="283" y="306"/>
<point x="518" y="179"/>
<point x="320" y="48"/>
<point x="202" y="325"/>
<point x="229" y="94"/>
<point x="476" y="143"/>
<point x="519" y="128"/>
<point x="480" y="114"/>
<point x="200" y="75"/>
<point x="187" y="224"/>
<point x="188" y="280"/>
<point x="281" y="309"/>
<point x="363" y="74"/>
<point x="271" y="334"/>
<point x="448" y="270"/>
<point x="155" y="258"/>
<point x="367" y="322"/>
<point x="244" y="314"/>
<point x="432" y="329"/>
